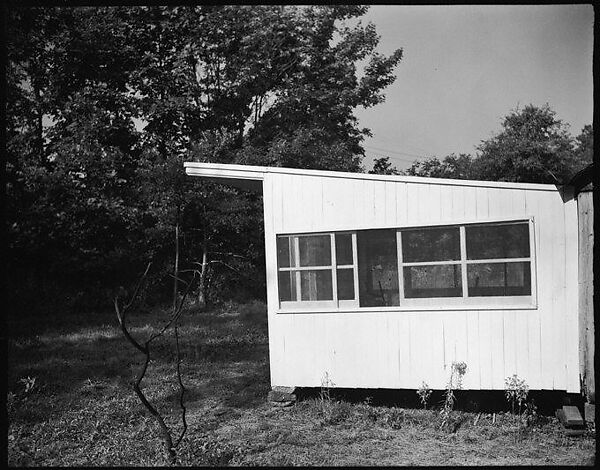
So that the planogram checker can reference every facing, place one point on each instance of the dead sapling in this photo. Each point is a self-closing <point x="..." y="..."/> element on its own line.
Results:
<point x="145" y="348"/>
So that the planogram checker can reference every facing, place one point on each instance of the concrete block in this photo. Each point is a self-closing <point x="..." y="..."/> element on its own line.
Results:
<point x="283" y="389"/>
<point x="572" y="416"/>
<point x="277" y="396"/>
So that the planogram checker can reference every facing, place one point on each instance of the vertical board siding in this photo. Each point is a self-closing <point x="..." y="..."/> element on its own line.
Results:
<point x="585" y="210"/>
<point x="473" y="378"/>
<point x="571" y="296"/>
<point x="401" y="349"/>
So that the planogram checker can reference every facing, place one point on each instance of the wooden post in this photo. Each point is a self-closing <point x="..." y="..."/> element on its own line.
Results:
<point x="585" y="216"/>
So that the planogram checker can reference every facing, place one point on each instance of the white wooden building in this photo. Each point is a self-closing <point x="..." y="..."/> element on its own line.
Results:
<point x="383" y="281"/>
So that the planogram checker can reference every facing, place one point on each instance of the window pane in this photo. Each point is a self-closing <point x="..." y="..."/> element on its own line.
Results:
<point x="315" y="250"/>
<point x="498" y="241"/>
<point x="287" y="286"/>
<point x="489" y="279"/>
<point x="285" y="258"/>
<point x="432" y="281"/>
<point x="343" y="249"/>
<point x="316" y="285"/>
<point x="432" y="244"/>
<point x="345" y="284"/>
<point x="377" y="268"/>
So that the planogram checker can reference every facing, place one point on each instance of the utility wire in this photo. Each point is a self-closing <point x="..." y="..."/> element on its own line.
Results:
<point x="393" y="151"/>
<point x="381" y="154"/>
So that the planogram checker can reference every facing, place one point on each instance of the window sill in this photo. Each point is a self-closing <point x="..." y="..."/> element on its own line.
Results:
<point x="399" y="309"/>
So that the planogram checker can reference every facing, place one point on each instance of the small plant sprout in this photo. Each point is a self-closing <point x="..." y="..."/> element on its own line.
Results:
<point x="515" y="391"/>
<point x="424" y="393"/>
<point x="457" y="372"/>
<point x="29" y="384"/>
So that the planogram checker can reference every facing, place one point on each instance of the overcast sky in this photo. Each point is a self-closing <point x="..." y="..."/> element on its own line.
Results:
<point x="466" y="67"/>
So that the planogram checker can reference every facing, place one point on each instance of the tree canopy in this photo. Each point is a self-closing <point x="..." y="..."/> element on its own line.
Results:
<point x="105" y="104"/>
<point x="533" y="146"/>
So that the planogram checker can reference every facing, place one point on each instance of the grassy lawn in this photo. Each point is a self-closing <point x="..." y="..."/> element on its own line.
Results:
<point x="70" y="403"/>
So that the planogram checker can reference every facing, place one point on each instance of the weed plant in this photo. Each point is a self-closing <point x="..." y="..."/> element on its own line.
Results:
<point x="424" y="392"/>
<point x="516" y="391"/>
<point x="457" y="372"/>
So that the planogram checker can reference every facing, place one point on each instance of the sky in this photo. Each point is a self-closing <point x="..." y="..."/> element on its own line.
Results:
<point x="466" y="67"/>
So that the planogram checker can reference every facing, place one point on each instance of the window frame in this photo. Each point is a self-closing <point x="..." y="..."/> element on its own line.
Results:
<point x="335" y="303"/>
<point x="463" y="302"/>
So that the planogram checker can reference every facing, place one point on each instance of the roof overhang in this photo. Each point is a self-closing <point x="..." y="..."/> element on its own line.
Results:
<point x="251" y="177"/>
<point x="240" y="176"/>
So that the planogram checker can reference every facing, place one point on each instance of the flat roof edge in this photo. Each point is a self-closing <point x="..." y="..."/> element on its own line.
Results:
<point x="223" y="170"/>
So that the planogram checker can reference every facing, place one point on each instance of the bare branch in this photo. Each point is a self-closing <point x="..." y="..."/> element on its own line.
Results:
<point x="228" y="254"/>
<point x="175" y="315"/>
<point x="178" y="278"/>
<point x="181" y="388"/>
<point x="137" y="288"/>
<point x="225" y="264"/>
<point x="164" y="430"/>
<point x="121" y="318"/>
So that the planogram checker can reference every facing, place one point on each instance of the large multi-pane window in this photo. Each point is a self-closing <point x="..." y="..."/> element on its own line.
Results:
<point x="317" y="269"/>
<point x="441" y="265"/>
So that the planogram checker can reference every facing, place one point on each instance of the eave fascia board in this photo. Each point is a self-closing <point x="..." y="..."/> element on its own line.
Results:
<point x="223" y="170"/>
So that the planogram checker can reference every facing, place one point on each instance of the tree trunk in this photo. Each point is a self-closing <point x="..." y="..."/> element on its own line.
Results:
<point x="203" y="273"/>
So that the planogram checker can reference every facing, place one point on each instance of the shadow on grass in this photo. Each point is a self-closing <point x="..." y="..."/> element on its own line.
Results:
<point x="221" y="355"/>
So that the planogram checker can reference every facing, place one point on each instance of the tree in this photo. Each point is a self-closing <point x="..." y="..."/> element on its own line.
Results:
<point x="105" y="104"/>
<point x="451" y="166"/>
<point x="533" y="146"/>
<point x="382" y="166"/>
<point x="584" y="147"/>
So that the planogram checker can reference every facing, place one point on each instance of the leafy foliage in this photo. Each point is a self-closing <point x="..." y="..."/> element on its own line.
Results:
<point x="382" y="166"/>
<point x="533" y="146"/>
<point x="515" y="391"/>
<point x="105" y="104"/>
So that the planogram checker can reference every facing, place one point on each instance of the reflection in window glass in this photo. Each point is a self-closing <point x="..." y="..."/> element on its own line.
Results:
<point x="345" y="284"/>
<point x="498" y="241"/>
<point x="315" y="250"/>
<point x="285" y="257"/>
<point x="316" y="285"/>
<point x="499" y="279"/>
<point x="343" y="249"/>
<point x="377" y="268"/>
<point x="431" y="244"/>
<point x="432" y="281"/>
<point x="287" y="286"/>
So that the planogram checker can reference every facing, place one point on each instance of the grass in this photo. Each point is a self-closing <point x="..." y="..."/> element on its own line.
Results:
<point x="80" y="409"/>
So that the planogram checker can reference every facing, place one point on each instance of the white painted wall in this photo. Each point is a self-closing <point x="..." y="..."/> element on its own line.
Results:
<point x="398" y="348"/>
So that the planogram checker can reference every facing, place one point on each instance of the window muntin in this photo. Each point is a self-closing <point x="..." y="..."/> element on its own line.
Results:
<point x="498" y="260"/>
<point x="438" y="266"/>
<point x="310" y="274"/>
